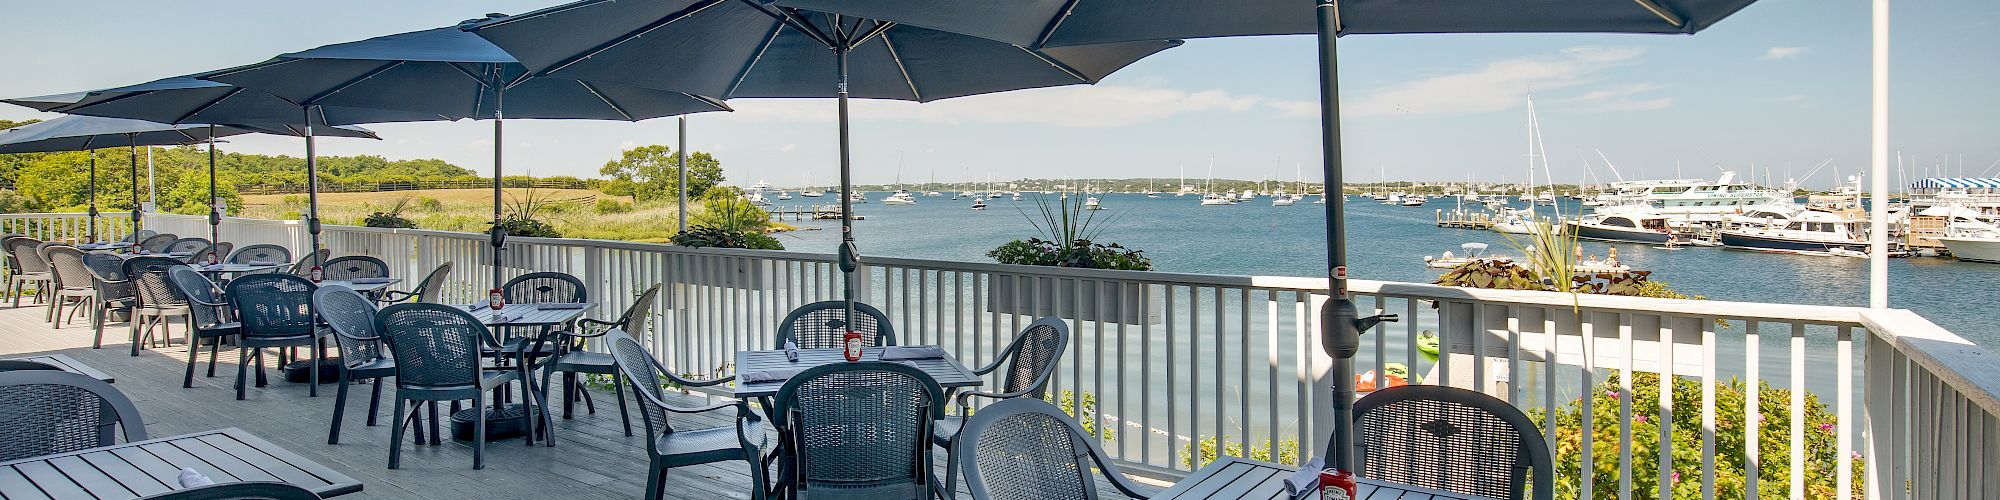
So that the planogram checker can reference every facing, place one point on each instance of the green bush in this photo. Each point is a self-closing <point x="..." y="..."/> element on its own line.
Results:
<point x="522" y="225"/>
<point x="1089" y="418"/>
<point x="611" y="206"/>
<point x="388" y="220"/>
<point x="1772" y="441"/>
<point x="715" y="237"/>
<point x="1287" y="452"/>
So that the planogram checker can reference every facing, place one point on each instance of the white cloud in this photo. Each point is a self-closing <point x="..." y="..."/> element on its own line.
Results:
<point x="1631" y="97"/>
<point x="1495" y="86"/>
<point x="788" y="148"/>
<point x="1782" y="53"/>
<point x="1097" y="106"/>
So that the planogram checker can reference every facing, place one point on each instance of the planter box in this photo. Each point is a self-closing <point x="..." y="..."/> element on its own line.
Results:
<point x="1054" y="296"/>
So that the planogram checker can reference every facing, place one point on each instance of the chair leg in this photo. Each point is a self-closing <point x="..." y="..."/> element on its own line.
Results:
<point x="569" y="391"/>
<point x="396" y="435"/>
<point x="656" y="481"/>
<point x="261" y="381"/>
<point x="618" y="384"/>
<point x="97" y="324"/>
<point x="214" y="346"/>
<point x="374" y="401"/>
<point x="339" y="407"/>
<point x="312" y="373"/>
<point x="589" y="403"/>
<point x="436" y="433"/>
<point x="138" y="318"/>
<point x="950" y="471"/>
<point x="194" y="358"/>
<point x="242" y="369"/>
<point x="479" y="433"/>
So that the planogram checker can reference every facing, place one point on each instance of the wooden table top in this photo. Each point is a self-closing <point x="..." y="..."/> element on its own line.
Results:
<point x="1233" y="477"/>
<point x="948" y="372"/>
<point x="153" y="466"/>
<point x="69" y="364"/>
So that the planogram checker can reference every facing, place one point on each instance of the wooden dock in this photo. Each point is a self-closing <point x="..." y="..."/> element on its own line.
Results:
<point x="1465" y="219"/>
<point x="806" y="212"/>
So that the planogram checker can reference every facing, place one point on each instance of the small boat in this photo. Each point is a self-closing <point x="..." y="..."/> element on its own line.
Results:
<point x="1472" y="251"/>
<point x="933" y="193"/>
<point x="809" y="193"/>
<point x="1091" y="203"/>
<point x="1017" y="196"/>
<point x="1972" y="241"/>
<point x="900" y="197"/>
<point x="1215" y="200"/>
<point x="978" y="203"/>
<point x="1812" y="232"/>
<point x="783" y="195"/>
<point x="1283" y="201"/>
<point x="1632" y="227"/>
<point x="1415" y="201"/>
<point x="1247" y="195"/>
<point x="857" y="197"/>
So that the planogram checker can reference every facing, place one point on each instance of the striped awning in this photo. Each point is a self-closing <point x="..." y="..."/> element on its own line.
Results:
<point x="1958" y="183"/>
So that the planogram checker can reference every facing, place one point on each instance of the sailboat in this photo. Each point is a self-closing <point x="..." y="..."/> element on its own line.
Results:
<point x="807" y="190"/>
<point x="901" y="196"/>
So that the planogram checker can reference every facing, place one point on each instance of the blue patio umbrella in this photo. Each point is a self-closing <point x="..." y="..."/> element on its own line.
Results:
<point x="743" y="48"/>
<point x="89" y="133"/>
<point x="186" y="99"/>
<point x="454" y="74"/>
<point x="1055" y="23"/>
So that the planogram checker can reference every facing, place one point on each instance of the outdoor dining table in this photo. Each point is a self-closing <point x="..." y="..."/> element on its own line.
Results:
<point x="222" y="269"/>
<point x="949" y="373"/>
<point x="540" y="319"/>
<point x="115" y="245"/>
<point x="1233" y="478"/>
<point x="151" y="467"/>
<point x="363" y="285"/>
<point x="174" y="255"/>
<point x="65" y="363"/>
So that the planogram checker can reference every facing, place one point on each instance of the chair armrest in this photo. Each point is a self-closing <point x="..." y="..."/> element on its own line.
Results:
<point x="203" y="303"/>
<point x="697" y="383"/>
<point x="965" y="398"/>
<point x="394" y="296"/>
<point x="1118" y="479"/>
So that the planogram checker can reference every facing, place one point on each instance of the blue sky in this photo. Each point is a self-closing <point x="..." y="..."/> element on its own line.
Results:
<point x="1782" y="85"/>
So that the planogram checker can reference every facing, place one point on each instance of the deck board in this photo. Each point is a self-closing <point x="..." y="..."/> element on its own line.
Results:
<point x="592" y="459"/>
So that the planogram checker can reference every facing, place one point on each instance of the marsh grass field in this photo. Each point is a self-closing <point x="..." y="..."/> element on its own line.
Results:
<point x="577" y="213"/>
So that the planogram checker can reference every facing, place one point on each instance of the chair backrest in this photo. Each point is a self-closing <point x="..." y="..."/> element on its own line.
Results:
<point x="644" y="371"/>
<point x="216" y="249"/>
<point x="42" y="250"/>
<point x="51" y="412"/>
<point x="272" y="305"/>
<point x="66" y="262"/>
<point x="1026" y="448"/>
<point x="431" y="289"/>
<point x="1032" y="357"/>
<point x="352" y="318"/>
<point x="305" y="263"/>
<point x="7" y="254"/>
<point x="436" y="346"/>
<point x="1450" y="439"/>
<point x="149" y="276"/>
<point x="355" y="266"/>
<point x="634" y="320"/>
<point x="23" y="251"/>
<point x="860" y="424"/>
<point x="8" y="365"/>
<point x="107" y="272"/>
<point x="139" y="236"/>
<point x="257" y="490"/>
<point x="197" y="291"/>
<point x="820" y="325"/>
<point x="158" y="242"/>
<point x="544" y="287"/>
<point x="261" y="253"/>
<point x="187" y="245"/>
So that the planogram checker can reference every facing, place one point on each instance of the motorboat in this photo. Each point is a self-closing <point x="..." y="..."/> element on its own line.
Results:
<point x="900" y="197"/>
<point x="979" y="203"/>
<point x="812" y="193"/>
<point x="1283" y="201"/>
<point x="857" y="197"/>
<point x="1811" y="232"/>
<point x="1970" y="239"/>
<point x="1693" y="196"/>
<point x="1215" y="200"/>
<point x="784" y="195"/>
<point x="1247" y="195"/>
<point x="1472" y="252"/>
<point x="1092" y="203"/>
<point x="1415" y="200"/>
<point x="1636" y="228"/>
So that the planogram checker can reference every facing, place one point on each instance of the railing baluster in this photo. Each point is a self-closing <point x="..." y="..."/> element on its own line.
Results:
<point x="1586" y="397"/>
<point x="1707" y="408"/>
<point x="1843" y="408"/>
<point x="1753" y="420"/>
<point x="1667" y="327"/>
<point x="1798" y="421"/>
<point x="1625" y="399"/>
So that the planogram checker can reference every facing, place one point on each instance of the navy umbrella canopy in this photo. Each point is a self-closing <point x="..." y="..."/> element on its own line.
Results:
<point x="1050" y="23"/>
<point x="746" y="48"/>
<point x="85" y="133"/>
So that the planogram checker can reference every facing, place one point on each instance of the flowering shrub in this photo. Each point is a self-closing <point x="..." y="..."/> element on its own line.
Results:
<point x="1773" y="441"/>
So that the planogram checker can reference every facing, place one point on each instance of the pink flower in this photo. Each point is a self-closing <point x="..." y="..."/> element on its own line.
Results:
<point x="1677" y="476"/>
<point x="1639" y="418"/>
<point x="1856" y="454"/>
<point x="1612" y="394"/>
<point x="1826" y="427"/>
<point x="1760" y="418"/>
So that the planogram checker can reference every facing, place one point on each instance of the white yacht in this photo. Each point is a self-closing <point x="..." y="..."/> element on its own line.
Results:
<point x="1092" y="203"/>
<point x="1967" y="235"/>
<point x="1415" y="200"/>
<point x="755" y="193"/>
<point x="1620" y="226"/>
<point x="1213" y="200"/>
<point x="812" y="193"/>
<point x="784" y="195"/>
<point x="1247" y="195"/>
<point x="900" y="197"/>
<point x="1811" y="232"/>
<point x="1283" y="201"/>
<point x="857" y="197"/>
<point x="1693" y="196"/>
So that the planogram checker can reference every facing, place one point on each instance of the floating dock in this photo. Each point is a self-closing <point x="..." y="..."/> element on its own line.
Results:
<point x="805" y="212"/>
<point x="1465" y="219"/>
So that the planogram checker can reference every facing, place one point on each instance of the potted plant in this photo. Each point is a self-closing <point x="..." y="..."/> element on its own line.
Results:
<point x="726" y="220"/>
<point x="1067" y="234"/>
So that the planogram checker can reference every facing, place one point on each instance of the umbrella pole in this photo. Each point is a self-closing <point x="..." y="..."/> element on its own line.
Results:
<point x="850" y="258"/>
<point x="1340" y="333"/>
<point x="312" y="192"/>
<point x="93" y="195"/>
<point x="134" y="138"/>
<point x="214" y="212"/>
<point x="499" y="233"/>
<point x="684" y="174"/>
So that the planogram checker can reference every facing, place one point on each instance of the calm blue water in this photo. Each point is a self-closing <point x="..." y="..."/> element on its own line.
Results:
<point x="1388" y="243"/>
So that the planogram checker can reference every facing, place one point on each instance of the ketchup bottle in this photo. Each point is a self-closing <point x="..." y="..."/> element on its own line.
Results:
<point x="494" y="300"/>
<point x="317" y="274"/>
<point x="1336" y="484"/>
<point x="851" y="346"/>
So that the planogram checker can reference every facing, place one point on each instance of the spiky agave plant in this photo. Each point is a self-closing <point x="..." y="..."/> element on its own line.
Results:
<point x="1067" y="224"/>
<point x="1549" y="251"/>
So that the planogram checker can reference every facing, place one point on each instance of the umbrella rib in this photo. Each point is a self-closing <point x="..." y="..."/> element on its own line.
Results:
<point x="898" y="58"/>
<point x="792" y="17"/>
<point x="1665" y="14"/>
<point x="1050" y="30"/>
<point x="607" y="100"/>
<point x="178" y="130"/>
<point x="881" y="27"/>
<point x="1065" y="68"/>
<point x="621" y="39"/>
<point x="776" y="28"/>
<point x="350" y="83"/>
<point x="210" y="104"/>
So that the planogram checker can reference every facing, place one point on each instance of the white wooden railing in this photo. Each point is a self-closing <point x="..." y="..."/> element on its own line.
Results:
<point x="1163" y="361"/>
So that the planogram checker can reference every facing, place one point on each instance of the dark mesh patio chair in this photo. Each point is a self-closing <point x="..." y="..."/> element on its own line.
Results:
<point x="72" y="279"/>
<point x="187" y="245"/>
<point x="303" y="268"/>
<point x="114" y="291"/>
<point x="158" y="243"/>
<point x="349" y="267"/>
<point x="429" y="290"/>
<point x="1026" y="448"/>
<point x="158" y="300"/>
<point x="138" y="236"/>
<point x="858" y="430"/>
<point x="210" y="315"/>
<point x="33" y="269"/>
<point x="216" y="249"/>
<point x="275" y="311"/>
<point x="352" y="319"/>
<point x="266" y="253"/>
<point x="820" y="325"/>
<point x="669" y="447"/>
<point x="1030" y="361"/>
<point x="537" y="288"/>
<point x="6" y="257"/>
<point x="438" y="349"/>
<point x="8" y="365"/>
<point x="257" y="490"/>
<point x="572" y="358"/>
<point x="51" y="412"/>
<point x="49" y="306"/>
<point x="1450" y="439"/>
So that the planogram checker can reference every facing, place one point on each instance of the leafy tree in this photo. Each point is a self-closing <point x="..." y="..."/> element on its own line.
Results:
<point x="653" y="173"/>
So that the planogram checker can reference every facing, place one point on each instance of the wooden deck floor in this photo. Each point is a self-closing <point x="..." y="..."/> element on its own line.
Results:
<point x="593" y="458"/>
